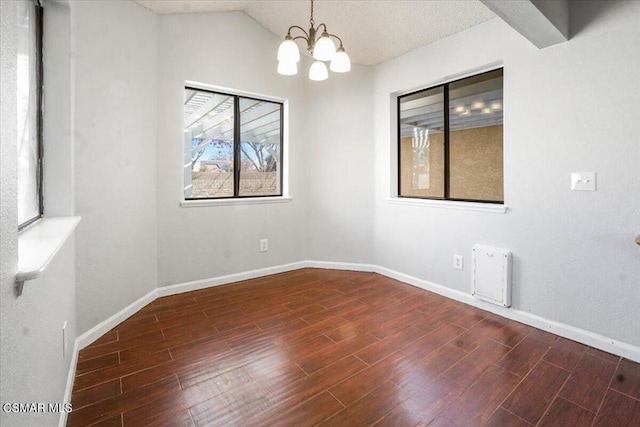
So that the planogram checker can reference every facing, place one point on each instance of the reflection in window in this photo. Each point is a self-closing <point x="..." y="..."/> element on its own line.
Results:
<point x="232" y="146"/>
<point x="29" y="112"/>
<point x="450" y="140"/>
<point x="260" y="133"/>
<point x="422" y="144"/>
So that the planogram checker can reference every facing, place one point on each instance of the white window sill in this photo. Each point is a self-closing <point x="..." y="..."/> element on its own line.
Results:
<point x="39" y="243"/>
<point x="237" y="201"/>
<point x="449" y="204"/>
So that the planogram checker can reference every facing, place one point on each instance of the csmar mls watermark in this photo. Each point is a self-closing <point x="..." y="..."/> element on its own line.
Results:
<point x="36" y="407"/>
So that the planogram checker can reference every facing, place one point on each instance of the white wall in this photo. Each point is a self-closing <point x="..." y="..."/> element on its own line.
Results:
<point x="229" y="50"/>
<point x="115" y="156"/>
<point x="569" y="108"/>
<point x="33" y="368"/>
<point x="339" y="167"/>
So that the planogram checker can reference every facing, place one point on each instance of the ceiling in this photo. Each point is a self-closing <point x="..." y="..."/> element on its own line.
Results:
<point x="372" y="31"/>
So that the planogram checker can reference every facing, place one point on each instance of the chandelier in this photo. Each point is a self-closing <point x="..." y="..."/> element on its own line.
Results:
<point x="321" y="49"/>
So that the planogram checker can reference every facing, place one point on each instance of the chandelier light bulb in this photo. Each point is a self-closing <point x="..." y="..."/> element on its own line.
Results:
<point x="318" y="71"/>
<point x="288" y="51"/>
<point x="287" y="68"/>
<point x="321" y="49"/>
<point x="324" y="49"/>
<point x="340" y="62"/>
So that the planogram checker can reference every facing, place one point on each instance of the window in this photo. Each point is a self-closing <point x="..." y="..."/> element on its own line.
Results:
<point x="232" y="145"/>
<point x="450" y="141"/>
<point x="29" y="112"/>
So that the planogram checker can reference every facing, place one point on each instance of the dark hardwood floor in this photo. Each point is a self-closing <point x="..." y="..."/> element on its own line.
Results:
<point x="329" y="347"/>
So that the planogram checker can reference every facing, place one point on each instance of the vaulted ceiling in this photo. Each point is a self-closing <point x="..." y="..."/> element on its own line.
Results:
<point x="373" y="31"/>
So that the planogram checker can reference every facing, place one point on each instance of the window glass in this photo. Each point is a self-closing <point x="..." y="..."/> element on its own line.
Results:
<point x="208" y="144"/>
<point x="422" y="144"/>
<point x="28" y="112"/>
<point x="450" y="140"/>
<point x="475" y="138"/>
<point x="232" y="146"/>
<point x="260" y="133"/>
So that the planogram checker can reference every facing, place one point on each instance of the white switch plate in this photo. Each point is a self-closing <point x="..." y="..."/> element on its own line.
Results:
<point x="583" y="181"/>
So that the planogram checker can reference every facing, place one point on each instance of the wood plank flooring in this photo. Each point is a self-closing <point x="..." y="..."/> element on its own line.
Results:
<point x="337" y="348"/>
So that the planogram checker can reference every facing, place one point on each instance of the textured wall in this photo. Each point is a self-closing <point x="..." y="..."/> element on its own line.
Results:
<point x="574" y="257"/>
<point x="338" y="167"/>
<point x="229" y="50"/>
<point x="33" y="368"/>
<point x="115" y="152"/>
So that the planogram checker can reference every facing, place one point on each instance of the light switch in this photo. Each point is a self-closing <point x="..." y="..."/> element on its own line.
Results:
<point x="583" y="181"/>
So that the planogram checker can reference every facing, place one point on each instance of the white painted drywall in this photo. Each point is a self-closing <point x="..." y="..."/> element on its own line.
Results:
<point x="58" y="120"/>
<point x="340" y="174"/>
<point x="33" y="368"/>
<point x="570" y="107"/>
<point x="115" y="156"/>
<point x="229" y="50"/>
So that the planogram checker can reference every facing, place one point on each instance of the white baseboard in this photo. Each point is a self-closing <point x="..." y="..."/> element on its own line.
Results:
<point x="69" y="387"/>
<point x="567" y="331"/>
<point x="224" y="280"/>
<point x="332" y="265"/>
<point x="105" y="326"/>
<point x="591" y="339"/>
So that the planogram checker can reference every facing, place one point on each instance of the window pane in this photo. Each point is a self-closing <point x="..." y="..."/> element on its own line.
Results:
<point x="260" y="150"/>
<point x="421" y="148"/>
<point x="27" y="113"/>
<point x="475" y="138"/>
<point x="208" y="144"/>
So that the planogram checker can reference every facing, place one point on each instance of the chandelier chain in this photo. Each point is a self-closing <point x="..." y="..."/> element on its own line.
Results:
<point x="311" y="20"/>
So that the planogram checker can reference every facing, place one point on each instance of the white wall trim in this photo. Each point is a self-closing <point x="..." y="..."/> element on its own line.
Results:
<point x="449" y="204"/>
<point x="223" y="280"/>
<point x="233" y="202"/>
<point x="70" y="378"/>
<point x="342" y="266"/>
<point x="105" y="326"/>
<point x="567" y="331"/>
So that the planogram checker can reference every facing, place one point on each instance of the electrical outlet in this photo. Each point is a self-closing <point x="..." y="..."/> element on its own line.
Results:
<point x="458" y="261"/>
<point x="64" y="339"/>
<point x="583" y="181"/>
<point x="264" y="245"/>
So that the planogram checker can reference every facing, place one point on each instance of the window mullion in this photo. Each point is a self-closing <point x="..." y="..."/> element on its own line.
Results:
<point x="40" y="101"/>
<point x="399" y="148"/>
<point x="236" y="146"/>
<point x="447" y="185"/>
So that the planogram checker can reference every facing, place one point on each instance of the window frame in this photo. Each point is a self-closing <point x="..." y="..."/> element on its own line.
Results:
<point x="39" y="27"/>
<point x="446" y="142"/>
<point x="237" y="140"/>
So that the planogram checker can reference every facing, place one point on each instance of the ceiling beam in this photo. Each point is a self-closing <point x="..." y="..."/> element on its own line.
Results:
<point x="544" y="23"/>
